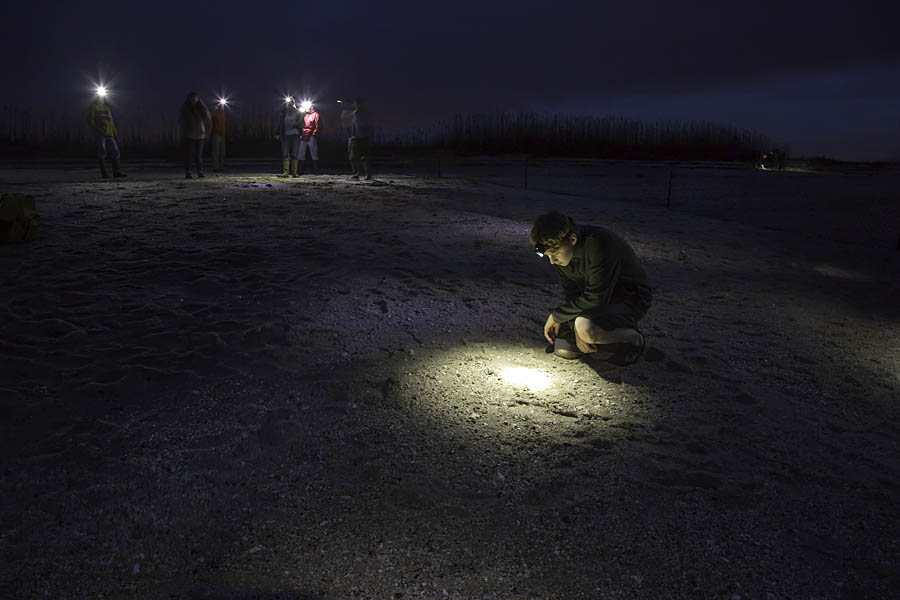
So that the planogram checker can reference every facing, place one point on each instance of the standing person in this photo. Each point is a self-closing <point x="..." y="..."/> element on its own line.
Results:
<point x="309" y="138"/>
<point x="360" y="130"/>
<point x="289" y="128"/>
<point x="780" y="156"/>
<point x="195" y="122"/>
<point x="101" y="122"/>
<point x="605" y="287"/>
<point x="219" y="132"/>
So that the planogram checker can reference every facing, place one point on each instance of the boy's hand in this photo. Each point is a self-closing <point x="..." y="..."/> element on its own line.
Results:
<point x="551" y="328"/>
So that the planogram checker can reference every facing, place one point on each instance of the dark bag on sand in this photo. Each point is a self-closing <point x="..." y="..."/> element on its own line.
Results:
<point x="19" y="221"/>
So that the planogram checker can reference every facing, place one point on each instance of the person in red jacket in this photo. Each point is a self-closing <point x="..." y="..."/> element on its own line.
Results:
<point x="309" y="136"/>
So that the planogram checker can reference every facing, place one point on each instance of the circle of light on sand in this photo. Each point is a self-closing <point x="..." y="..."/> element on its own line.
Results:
<point x="525" y="377"/>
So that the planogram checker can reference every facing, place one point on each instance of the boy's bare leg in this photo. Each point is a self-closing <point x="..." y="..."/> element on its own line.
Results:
<point x="590" y="334"/>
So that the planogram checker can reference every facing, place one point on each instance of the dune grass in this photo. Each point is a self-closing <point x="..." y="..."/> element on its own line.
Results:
<point x="25" y="133"/>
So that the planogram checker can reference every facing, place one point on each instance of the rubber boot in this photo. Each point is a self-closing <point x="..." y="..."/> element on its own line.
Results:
<point x="103" y="172"/>
<point x="295" y="168"/>
<point x="117" y="172"/>
<point x="354" y="164"/>
<point x="286" y="165"/>
<point x="368" y="169"/>
<point x="315" y="167"/>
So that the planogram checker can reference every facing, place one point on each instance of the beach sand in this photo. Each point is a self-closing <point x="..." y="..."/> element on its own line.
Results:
<point x="249" y="387"/>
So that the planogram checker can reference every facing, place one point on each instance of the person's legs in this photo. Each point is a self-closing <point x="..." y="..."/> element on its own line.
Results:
<point x="353" y="151"/>
<point x="291" y="165"/>
<point x="113" y="148"/>
<point x="610" y="332"/>
<point x="101" y="155"/>
<point x="564" y="344"/>
<point x="285" y="156"/>
<point x="217" y="147"/>
<point x="198" y="156"/>
<point x="366" y="165"/>
<point x="187" y="158"/>
<point x="314" y="153"/>
<point x="301" y="156"/>
<point x="592" y="334"/>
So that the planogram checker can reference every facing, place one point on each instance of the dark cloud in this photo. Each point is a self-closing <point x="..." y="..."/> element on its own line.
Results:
<point x="421" y="60"/>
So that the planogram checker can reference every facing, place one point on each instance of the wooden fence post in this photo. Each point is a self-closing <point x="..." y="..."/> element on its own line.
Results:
<point x="526" y="171"/>
<point x="669" y="191"/>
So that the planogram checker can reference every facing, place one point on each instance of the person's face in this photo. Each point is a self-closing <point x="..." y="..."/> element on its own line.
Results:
<point x="562" y="255"/>
<point x="194" y="99"/>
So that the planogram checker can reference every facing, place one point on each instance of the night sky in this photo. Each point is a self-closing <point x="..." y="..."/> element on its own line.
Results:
<point x="823" y="77"/>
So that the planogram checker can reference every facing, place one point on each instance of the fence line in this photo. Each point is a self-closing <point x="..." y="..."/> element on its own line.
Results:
<point x="26" y="132"/>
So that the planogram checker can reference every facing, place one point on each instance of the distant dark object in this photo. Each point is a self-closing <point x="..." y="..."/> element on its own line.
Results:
<point x="19" y="221"/>
<point x="195" y="123"/>
<point x="218" y="132"/>
<point x="772" y="160"/>
<point x="359" y="143"/>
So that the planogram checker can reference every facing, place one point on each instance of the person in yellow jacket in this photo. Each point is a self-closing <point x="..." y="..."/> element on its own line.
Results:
<point x="101" y="123"/>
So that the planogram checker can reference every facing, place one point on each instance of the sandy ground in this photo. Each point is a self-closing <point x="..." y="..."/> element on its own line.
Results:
<point x="246" y="387"/>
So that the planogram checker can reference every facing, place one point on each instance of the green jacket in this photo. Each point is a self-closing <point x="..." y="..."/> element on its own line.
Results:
<point x="601" y="262"/>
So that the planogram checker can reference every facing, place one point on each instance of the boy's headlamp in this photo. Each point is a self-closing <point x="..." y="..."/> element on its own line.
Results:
<point x="541" y="248"/>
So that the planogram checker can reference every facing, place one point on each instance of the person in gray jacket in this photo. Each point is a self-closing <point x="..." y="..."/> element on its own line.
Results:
<point x="290" y="123"/>
<point x="195" y="123"/>
<point x="358" y="123"/>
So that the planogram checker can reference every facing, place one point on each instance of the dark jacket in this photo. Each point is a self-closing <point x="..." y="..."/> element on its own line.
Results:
<point x="195" y="122"/>
<point x="603" y="266"/>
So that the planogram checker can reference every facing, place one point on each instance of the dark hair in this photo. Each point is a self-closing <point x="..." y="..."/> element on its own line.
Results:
<point x="550" y="229"/>
<point x="191" y="107"/>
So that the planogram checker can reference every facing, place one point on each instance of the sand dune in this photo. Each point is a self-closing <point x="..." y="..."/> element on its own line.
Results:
<point x="251" y="387"/>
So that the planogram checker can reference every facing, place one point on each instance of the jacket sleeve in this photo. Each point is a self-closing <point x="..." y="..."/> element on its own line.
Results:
<point x="90" y="119"/>
<point x="601" y="275"/>
<point x="207" y="120"/>
<point x="316" y="127"/>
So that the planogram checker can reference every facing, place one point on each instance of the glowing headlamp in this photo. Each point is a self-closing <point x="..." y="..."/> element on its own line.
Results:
<point x="306" y="105"/>
<point x="542" y="248"/>
<point x="223" y="102"/>
<point x="101" y="91"/>
<point x="288" y="99"/>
